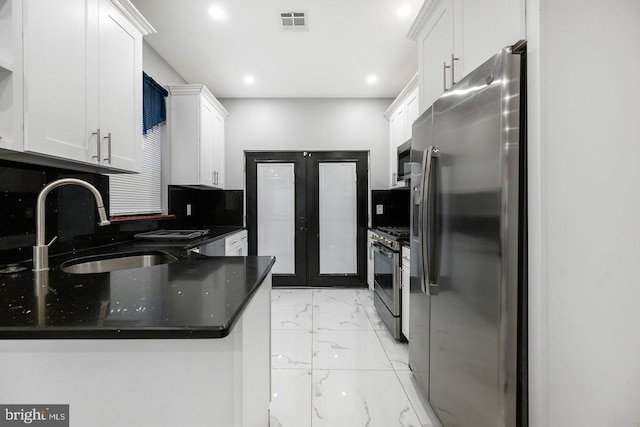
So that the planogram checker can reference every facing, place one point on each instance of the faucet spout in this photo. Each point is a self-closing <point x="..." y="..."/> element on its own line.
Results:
<point x="41" y="249"/>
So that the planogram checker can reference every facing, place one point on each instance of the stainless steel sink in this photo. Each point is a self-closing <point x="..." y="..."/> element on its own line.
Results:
<point x="116" y="261"/>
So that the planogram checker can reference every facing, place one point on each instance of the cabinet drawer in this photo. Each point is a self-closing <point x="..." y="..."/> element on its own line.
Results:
<point x="233" y="242"/>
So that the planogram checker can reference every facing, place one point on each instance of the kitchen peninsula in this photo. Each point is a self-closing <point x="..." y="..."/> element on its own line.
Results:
<point x="176" y="344"/>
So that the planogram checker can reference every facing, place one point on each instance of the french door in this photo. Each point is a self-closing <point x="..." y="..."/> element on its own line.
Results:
<point x="309" y="210"/>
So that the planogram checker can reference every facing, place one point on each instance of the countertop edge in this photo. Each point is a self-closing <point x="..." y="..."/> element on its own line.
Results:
<point x="160" y="332"/>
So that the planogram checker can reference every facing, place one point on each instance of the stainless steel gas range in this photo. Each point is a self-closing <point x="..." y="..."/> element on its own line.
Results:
<point x="386" y="273"/>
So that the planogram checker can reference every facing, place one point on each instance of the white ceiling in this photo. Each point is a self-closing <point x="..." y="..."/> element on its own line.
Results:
<point x="347" y="41"/>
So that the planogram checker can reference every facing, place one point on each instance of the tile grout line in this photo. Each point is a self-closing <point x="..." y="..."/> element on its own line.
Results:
<point x="312" y="352"/>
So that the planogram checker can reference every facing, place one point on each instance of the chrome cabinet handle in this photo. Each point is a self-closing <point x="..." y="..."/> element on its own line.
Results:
<point x="444" y="75"/>
<point x="453" y="69"/>
<point x="108" y="138"/>
<point x="98" y="140"/>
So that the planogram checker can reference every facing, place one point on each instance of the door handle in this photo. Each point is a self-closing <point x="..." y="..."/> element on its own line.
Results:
<point x="429" y="285"/>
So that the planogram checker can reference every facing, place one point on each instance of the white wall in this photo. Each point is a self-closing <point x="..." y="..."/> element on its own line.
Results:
<point x="584" y="212"/>
<point x="157" y="68"/>
<point x="306" y="124"/>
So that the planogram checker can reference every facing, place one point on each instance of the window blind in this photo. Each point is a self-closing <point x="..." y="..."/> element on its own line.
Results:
<point x="140" y="193"/>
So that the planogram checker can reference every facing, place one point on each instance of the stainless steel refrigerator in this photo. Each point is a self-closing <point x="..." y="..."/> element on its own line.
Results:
<point x="467" y="344"/>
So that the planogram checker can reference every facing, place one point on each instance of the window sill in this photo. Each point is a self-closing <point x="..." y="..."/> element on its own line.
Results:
<point x="140" y="217"/>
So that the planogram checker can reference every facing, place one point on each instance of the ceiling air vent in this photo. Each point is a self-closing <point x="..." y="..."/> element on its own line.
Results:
<point x="294" y="21"/>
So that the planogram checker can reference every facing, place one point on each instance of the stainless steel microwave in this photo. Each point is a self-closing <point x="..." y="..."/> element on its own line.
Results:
<point x="404" y="161"/>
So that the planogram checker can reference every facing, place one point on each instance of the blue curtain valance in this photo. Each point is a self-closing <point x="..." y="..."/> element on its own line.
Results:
<point x="154" y="110"/>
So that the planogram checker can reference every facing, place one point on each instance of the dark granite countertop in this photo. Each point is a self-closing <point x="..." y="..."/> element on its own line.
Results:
<point x="194" y="297"/>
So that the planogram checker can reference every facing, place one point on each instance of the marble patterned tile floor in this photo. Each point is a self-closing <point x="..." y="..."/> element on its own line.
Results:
<point x="335" y="364"/>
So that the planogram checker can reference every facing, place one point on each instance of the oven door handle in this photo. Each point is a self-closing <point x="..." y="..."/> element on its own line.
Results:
<point x="384" y="251"/>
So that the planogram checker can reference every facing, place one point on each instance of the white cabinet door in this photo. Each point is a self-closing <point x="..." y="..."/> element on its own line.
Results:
<point x="469" y="30"/>
<point x="120" y="74"/>
<point x="397" y="136"/>
<point x="218" y="150"/>
<point x="435" y="46"/>
<point x="59" y="93"/>
<point x="197" y="136"/>
<point x="207" y="124"/>
<point x="82" y="83"/>
<point x="401" y="115"/>
<point x="487" y="27"/>
<point x="412" y="111"/>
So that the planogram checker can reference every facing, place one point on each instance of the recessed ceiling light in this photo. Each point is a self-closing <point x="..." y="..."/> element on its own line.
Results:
<point x="250" y="80"/>
<point x="218" y="13"/>
<point x="404" y="11"/>
<point x="372" y="79"/>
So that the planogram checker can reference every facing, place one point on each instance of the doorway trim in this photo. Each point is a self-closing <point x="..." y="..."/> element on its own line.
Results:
<point x="307" y="214"/>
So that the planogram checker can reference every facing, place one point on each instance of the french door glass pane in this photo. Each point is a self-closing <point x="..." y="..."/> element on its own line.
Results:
<point x="276" y="214"/>
<point x="338" y="218"/>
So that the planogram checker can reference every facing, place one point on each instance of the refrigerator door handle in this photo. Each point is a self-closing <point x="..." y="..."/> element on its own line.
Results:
<point x="427" y="231"/>
<point x="425" y="238"/>
<point x="424" y="279"/>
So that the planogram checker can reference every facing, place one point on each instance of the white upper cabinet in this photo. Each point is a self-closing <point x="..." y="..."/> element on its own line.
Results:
<point x="401" y="115"/>
<point x="120" y="118"/>
<point x="196" y="128"/>
<point x="455" y="36"/>
<point x="218" y="147"/>
<point x="77" y="90"/>
<point x="57" y="105"/>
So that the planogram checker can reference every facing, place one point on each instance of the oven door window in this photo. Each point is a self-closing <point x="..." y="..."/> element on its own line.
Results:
<point x="383" y="269"/>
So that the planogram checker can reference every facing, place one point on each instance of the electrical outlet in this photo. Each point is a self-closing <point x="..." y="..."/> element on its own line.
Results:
<point x="188" y="210"/>
<point x="379" y="209"/>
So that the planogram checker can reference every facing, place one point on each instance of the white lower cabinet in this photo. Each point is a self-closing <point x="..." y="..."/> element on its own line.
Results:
<point x="236" y="244"/>
<point x="405" y="283"/>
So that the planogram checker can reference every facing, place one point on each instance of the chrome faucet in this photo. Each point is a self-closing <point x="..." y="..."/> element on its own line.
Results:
<point x="41" y="249"/>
